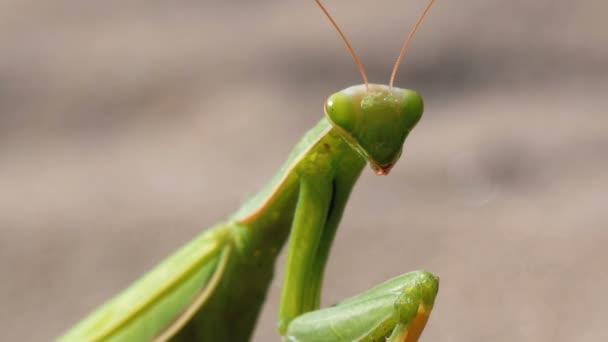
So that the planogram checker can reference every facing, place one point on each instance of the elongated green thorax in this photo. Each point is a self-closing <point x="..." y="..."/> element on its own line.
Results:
<point x="375" y="120"/>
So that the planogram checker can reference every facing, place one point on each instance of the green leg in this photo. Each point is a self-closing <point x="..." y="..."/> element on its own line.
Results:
<point x="309" y="221"/>
<point x="341" y="188"/>
<point x="397" y="310"/>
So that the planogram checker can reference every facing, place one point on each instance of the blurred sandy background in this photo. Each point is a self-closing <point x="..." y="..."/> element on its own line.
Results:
<point x="127" y="127"/>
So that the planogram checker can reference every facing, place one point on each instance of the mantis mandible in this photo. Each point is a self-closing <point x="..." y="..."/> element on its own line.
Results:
<point x="212" y="289"/>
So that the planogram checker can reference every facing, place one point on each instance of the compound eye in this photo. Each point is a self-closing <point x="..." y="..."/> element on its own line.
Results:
<point x="341" y="111"/>
<point x="413" y="107"/>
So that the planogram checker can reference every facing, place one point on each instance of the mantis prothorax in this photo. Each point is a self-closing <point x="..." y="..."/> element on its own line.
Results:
<point x="212" y="289"/>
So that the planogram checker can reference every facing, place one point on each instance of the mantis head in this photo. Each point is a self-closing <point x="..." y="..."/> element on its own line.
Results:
<point x="375" y="119"/>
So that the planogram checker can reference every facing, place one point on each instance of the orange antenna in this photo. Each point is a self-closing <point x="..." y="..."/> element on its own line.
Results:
<point x="350" y="48"/>
<point x="407" y="43"/>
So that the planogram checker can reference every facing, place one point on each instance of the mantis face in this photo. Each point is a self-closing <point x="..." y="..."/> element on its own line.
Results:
<point x="375" y="121"/>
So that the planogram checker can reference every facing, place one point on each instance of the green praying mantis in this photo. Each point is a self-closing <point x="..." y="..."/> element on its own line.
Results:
<point x="212" y="289"/>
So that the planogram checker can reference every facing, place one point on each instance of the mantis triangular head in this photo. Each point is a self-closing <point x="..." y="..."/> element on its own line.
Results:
<point x="376" y="118"/>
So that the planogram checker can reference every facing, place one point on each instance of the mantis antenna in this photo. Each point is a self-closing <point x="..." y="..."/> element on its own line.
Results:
<point x="407" y="43"/>
<point x="350" y="48"/>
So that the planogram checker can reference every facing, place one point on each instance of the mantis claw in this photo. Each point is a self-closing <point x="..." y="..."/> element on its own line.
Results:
<point x="413" y="308"/>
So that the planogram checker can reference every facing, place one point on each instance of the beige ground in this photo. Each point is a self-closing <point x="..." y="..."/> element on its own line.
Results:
<point x="127" y="127"/>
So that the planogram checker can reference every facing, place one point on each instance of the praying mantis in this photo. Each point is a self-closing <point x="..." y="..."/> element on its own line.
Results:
<point x="212" y="289"/>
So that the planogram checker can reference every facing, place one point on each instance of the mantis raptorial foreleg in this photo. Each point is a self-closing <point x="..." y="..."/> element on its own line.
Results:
<point x="397" y="309"/>
<point x="212" y="289"/>
<point x="300" y="288"/>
